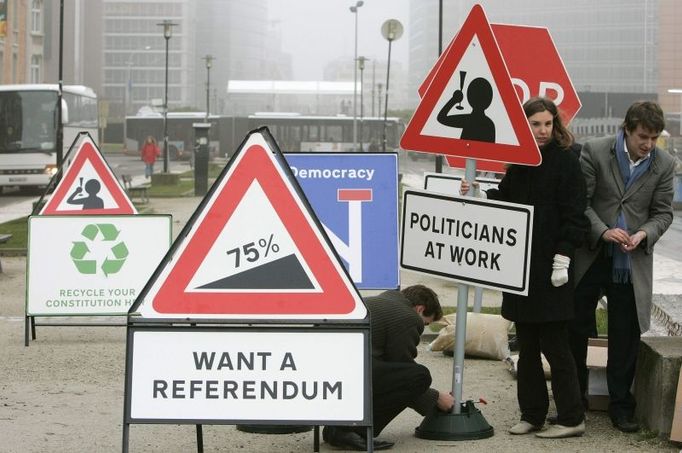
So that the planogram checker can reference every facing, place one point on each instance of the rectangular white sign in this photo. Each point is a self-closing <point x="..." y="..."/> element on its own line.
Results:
<point x="247" y="375"/>
<point x="482" y="242"/>
<point x="91" y="265"/>
<point x="449" y="184"/>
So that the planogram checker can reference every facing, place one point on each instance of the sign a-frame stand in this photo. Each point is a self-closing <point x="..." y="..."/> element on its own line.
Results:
<point x="245" y="318"/>
<point x="469" y="109"/>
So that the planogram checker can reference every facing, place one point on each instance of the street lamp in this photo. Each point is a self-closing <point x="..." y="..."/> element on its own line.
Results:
<point x="391" y="30"/>
<point x="167" y="33"/>
<point x="209" y="62"/>
<point x="361" y="65"/>
<point x="678" y="91"/>
<point x="354" y="10"/>
<point x="128" y="96"/>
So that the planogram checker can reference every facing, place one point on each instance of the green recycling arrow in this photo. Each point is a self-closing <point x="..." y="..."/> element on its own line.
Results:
<point x="109" y="231"/>
<point x="79" y="250"/>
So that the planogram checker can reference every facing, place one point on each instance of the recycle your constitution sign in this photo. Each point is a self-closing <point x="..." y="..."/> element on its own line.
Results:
<point x="92" y="265"/>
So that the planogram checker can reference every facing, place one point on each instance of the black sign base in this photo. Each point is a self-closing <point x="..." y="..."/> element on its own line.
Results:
<point x="469" y="424"/>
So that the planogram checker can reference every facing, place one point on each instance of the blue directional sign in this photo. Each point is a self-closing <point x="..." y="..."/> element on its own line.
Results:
<point x="355" y="196"/>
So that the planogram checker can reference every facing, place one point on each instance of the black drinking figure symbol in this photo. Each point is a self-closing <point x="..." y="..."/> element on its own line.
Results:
<point x="91" y="200"/>
<point x="475" y="125"/>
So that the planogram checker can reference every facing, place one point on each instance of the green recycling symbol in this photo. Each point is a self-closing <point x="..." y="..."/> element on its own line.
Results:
<point x="107" y="233"/>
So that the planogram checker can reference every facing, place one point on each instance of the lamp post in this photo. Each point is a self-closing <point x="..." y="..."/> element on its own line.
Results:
<point x="128" y="96"/>
<point x="380" y="86"/>
<point x="361" y="65"/>
<point x="678" y="91"/>
<point x="354" y="10"/>
<point x="209" y="62"/>
<point x="391" y="30"/>
<point x="167" y="33"/>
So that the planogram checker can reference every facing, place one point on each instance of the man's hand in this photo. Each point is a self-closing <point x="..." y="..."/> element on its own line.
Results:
<point x="445" y="401"/>
<point x="617" y="236"/>
<point x="635" y="240"/>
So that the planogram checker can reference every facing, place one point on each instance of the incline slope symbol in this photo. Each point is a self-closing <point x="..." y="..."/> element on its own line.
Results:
<point x="283" y="273"/>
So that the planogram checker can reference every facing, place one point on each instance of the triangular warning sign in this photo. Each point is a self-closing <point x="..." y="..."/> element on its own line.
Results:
<point x="470" y="108"/>
<point x="253" y="249"/>
<point x="88" y="186"/>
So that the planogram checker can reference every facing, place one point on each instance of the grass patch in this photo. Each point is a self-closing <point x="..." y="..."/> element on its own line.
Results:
<point x="18" y="228"/>
<point x="112" y="147"/>
<point x="213" y="171"/>
<point x="179" y="190"/>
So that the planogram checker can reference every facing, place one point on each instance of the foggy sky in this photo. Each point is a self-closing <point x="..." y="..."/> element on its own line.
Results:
<point x="315" y="32"/>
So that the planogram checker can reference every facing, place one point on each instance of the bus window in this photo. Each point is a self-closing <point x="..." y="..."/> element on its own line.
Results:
<point x="313" y="133"/>
<point x="333" y="134"/>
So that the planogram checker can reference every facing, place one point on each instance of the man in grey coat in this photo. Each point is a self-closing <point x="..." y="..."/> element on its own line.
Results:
<point x="629" y="204"/>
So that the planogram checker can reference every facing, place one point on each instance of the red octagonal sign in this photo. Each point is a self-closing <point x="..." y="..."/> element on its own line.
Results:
<point x="536" y="69"/>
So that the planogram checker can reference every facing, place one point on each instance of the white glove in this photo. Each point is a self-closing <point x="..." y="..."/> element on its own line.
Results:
<point x="560" y="270"/>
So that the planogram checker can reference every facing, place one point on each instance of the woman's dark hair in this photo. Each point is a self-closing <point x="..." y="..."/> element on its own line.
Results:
<point x="648" y="114"/>
<point x="559" y="132"/>
<point x="422" y="295"/>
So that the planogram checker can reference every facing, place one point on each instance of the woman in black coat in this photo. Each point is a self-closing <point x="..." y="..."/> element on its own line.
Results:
<point x="556" y="190"/>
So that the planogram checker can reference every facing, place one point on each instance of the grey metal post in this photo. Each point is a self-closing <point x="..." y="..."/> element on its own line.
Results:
<point x="167" y="33"/>
<point x="354" y="10"/>
<point x="461" y="321"/>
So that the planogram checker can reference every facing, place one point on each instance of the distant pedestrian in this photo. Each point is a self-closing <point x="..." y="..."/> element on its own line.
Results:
<point x="629" y="193"/>
<point x="149" y="152"/>
<point x="373" y="146"/>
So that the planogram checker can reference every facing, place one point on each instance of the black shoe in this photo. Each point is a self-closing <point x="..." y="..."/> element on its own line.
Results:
<point x="349" y="440"/>
<point x="382" y="444"/>
<point x="625" y="424"/>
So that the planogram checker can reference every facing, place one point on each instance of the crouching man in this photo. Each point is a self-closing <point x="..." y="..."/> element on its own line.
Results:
<point x="397" y="320"/>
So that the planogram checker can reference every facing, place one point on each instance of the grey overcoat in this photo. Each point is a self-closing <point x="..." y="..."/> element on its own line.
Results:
<point x="647" y="205"/>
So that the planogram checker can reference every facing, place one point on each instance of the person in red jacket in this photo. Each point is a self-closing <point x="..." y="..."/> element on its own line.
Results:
<point x="150" y="151"/>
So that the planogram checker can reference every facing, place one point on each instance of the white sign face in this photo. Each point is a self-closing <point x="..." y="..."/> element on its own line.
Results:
<point x="450" y="184"/>
<point x="92" y="265"/>
<point x="247" y="375"/>
<point x="481" y="242"/>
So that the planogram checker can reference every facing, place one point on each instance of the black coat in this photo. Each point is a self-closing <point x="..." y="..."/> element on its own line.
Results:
<point x="557" y="191"/>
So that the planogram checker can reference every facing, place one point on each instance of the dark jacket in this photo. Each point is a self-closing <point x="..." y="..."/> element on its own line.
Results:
<point x="556" y="190"/>
<point x="396" y="332"/>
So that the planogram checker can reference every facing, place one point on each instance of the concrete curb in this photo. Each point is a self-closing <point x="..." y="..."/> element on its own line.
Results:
<point x="664" y="307"/>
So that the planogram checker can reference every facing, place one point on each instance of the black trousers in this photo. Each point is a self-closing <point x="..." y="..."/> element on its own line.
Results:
<point x="395" y="387"/>
<point x="623" y="333"/>
<point x="550" y="338"/>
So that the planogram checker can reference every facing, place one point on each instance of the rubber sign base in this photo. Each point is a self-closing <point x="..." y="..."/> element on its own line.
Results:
<point x="469" y="424"/>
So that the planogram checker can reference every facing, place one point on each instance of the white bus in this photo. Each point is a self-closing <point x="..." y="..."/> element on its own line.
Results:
<point x="28" y="129"/>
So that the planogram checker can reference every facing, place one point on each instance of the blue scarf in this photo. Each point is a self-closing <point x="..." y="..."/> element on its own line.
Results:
<point x="621" y="261"/>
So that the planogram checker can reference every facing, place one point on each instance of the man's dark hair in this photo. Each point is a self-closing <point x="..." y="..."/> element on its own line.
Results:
<point x="422" y="295"/>
<point x="648" y="114"/>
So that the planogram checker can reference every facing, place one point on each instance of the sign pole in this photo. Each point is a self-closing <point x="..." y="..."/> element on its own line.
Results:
<point x="461" y="322"/>
<point x="465" y="422"/>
